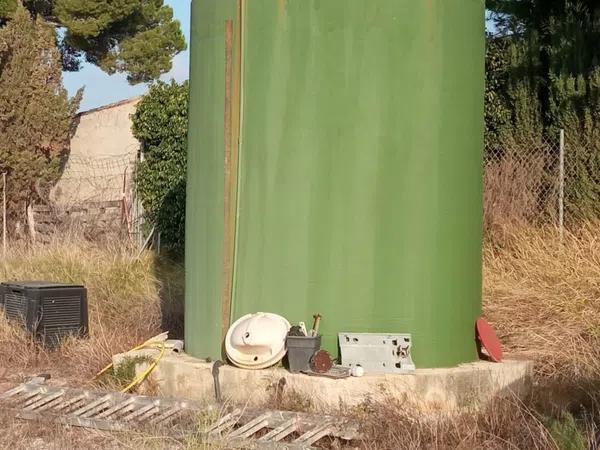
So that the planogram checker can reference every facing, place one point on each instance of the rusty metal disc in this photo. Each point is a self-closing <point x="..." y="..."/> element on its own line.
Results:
<point x="321" y="362"/>
<point x="486" y="337"/>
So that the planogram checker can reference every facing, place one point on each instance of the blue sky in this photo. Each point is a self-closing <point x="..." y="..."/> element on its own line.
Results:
<point x="101" y="89"/>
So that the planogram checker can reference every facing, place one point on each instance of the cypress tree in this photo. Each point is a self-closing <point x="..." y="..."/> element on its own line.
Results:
<point x="36" y="114"/>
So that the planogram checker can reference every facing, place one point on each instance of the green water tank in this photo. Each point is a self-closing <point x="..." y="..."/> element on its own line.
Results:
<point x="334" y="167"/>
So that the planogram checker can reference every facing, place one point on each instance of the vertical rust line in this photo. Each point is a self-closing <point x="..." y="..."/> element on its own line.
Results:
<point x="236" y="96"/>
<point x="236" y="133"/>
<point x="230" y="174"/>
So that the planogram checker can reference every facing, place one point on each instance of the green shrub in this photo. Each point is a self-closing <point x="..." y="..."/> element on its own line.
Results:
<point x="566" y="433"/>
<point x="124" y="373"/>
<point x="160" y="124"/>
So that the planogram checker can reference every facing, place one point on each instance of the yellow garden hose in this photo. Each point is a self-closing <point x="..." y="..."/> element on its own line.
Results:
<point x="150" y="343"/>
<point x="141" y="377"/>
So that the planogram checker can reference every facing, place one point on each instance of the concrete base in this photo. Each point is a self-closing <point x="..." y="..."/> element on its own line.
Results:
<point x="467" y="386"/>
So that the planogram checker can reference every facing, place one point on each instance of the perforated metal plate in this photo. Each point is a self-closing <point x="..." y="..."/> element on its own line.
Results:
<point x="377" y="353"/>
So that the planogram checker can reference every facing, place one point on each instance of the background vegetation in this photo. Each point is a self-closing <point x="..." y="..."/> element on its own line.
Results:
<point x="543" y="75"/>
<point x="161" y="124"/>
<point x="36" y="114"/>
<point x="136" y="37"/>
<point x="39" y="39"/>
<point x="541" y="296"/>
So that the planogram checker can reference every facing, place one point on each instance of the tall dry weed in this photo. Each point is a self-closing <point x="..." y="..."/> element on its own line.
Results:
<point x="127" y="301"/>
<point x="514" y="191"/>
<point x="504" y="424"/>
<point x="543" y="296"/>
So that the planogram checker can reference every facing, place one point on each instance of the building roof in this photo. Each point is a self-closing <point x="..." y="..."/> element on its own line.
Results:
<point x="111" y="105"/>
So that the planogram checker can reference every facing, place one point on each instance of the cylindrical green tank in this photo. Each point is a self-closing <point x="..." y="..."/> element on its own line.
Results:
<point x="334" y="167"/>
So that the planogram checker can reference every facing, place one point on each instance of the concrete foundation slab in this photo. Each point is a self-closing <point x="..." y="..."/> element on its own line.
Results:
<point x="466" y="386"/>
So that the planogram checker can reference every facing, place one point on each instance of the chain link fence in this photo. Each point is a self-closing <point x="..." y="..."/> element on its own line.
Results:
<point x="94" y="198"/>
<point x="524" y="182"/>
<point x="551" y="180"/>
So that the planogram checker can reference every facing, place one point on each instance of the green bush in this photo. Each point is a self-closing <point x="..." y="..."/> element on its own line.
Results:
<point x="161" y="124"/>
<point x="566" y="433"/>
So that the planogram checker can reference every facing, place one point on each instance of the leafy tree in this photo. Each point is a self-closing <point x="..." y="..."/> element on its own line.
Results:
<point x="575" y="106"/>
<point x="563" y="34"/>
<point x="137" y="37"/>
<point x="36" y="114"/>
<point x="512" y="109"/>
<point x="535" y="13"/>
<point x="161" y="125"/>
<point x="558" y="75"/>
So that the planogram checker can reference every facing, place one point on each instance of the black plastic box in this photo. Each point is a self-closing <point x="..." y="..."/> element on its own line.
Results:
<point x="50" y="311"/>
<point x="1" y="295"/>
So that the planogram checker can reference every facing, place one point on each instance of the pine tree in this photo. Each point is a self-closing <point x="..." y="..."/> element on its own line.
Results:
<point x="137" y="37"/>
<point x="36" y="114"/>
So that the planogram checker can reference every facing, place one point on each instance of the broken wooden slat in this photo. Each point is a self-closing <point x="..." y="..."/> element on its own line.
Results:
<point x="113" y="411"/>
<point x="275" y="431"/>
<point x="251" y="427"/>
<point x="148" y="414"/>
<point x="119" y="406"/>
<point x="225" y="421"/>
<point x="166" y="415"/>
<point x="45" y="400"/>
<point x="139" y="412"/>
<point x="312" y="436"/>
<point x="12" y="392"/>
<point x="285" y="432"/>
<point x="92" y="405"/>
<point x="69" y="403"/>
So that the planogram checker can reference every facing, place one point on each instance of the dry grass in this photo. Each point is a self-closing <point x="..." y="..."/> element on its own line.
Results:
<point x="24" y="435"/>
<point x="543" y="297"/>
<point x="21" y="435"/>
<point x="512" y="191"/>
<point x="507" y="424"/>
<point x="520" y="182"/>
<point x="127" y="299"/>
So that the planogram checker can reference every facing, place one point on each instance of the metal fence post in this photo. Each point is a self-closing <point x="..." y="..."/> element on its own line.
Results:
<point x="561" y="187"/>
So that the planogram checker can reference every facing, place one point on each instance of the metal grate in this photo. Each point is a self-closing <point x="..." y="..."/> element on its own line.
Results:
<point x="60" y="315"/>
<point x="112" y="411"/>
<point x="15" y="305"/>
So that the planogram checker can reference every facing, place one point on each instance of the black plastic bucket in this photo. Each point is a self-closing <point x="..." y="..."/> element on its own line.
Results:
<point x="299" y="351"/>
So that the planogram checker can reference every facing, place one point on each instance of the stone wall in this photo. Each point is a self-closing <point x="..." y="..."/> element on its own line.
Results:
<point x="92" y="221"/>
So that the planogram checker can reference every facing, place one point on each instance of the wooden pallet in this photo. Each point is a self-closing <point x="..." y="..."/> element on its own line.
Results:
<point x="114" y="411"/>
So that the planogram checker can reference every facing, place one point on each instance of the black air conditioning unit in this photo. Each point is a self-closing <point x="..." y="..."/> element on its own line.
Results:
<point x="50" y="311"/>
